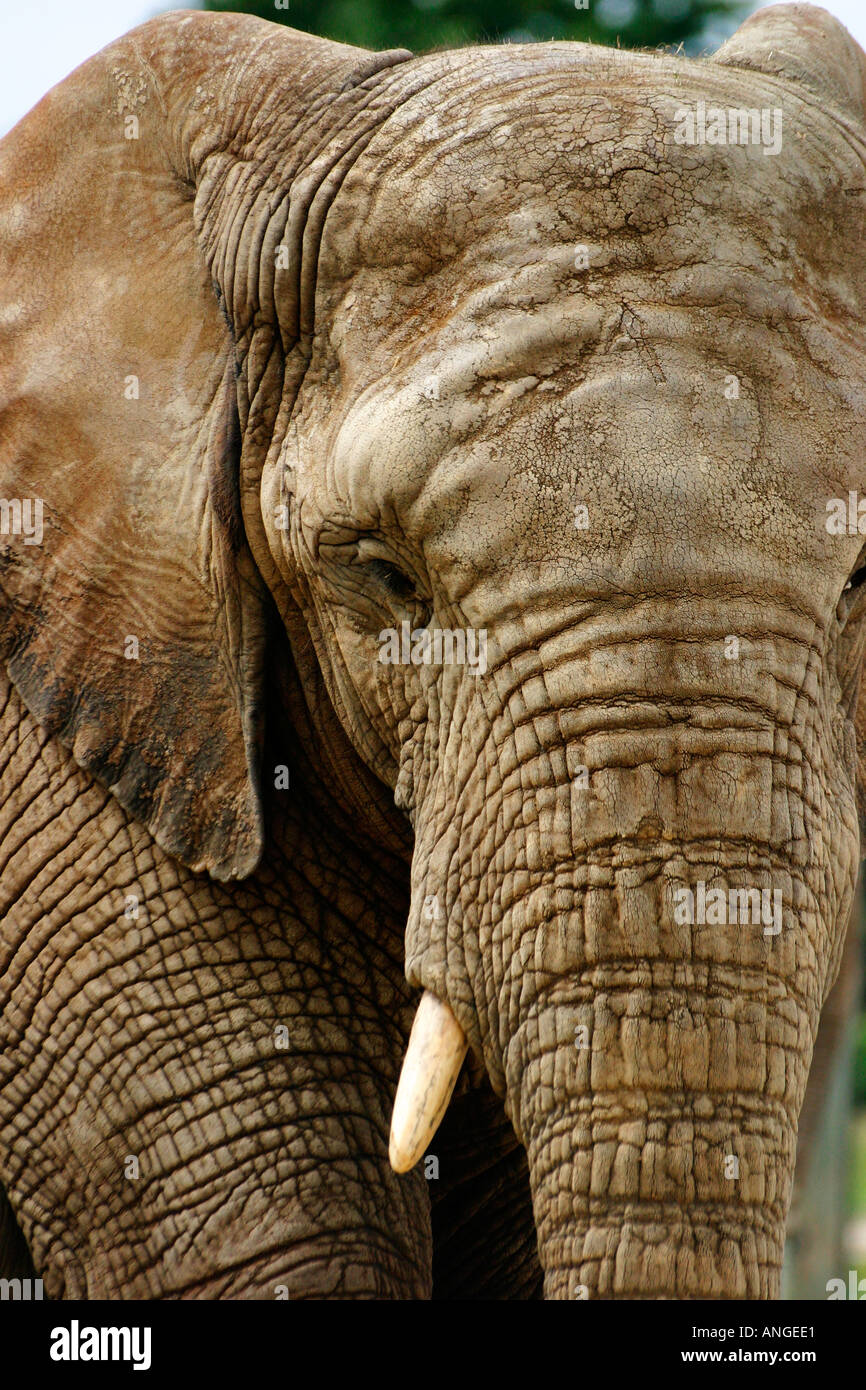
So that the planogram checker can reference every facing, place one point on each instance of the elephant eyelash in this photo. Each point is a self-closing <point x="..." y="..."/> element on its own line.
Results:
<point x="392" y="578"/>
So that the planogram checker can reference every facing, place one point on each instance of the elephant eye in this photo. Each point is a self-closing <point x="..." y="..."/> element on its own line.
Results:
<point x="851" y="604"/>
<point x="857" y="580"/>
<point x="391" y="578"/>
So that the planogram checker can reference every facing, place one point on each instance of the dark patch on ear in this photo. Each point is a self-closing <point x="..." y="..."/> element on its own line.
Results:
<point x="194" y="809"/>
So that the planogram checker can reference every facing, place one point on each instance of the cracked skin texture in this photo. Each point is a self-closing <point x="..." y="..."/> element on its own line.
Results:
<point x="397" y="425"/>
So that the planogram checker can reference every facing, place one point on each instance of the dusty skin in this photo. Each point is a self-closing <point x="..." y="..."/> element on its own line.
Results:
<point x="298" y="344"/>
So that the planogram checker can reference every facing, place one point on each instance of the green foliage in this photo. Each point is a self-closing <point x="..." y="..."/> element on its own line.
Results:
<point x="424" y="24"/>
<point x="860" y="1064"/>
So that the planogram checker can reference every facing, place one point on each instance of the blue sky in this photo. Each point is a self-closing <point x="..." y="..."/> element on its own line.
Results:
<point x="41" y="43"/>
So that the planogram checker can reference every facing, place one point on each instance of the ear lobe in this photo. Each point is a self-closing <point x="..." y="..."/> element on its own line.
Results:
<point x="134" y="630"/>
<point x="134" y="627"/>
<point x="805" y="44"/>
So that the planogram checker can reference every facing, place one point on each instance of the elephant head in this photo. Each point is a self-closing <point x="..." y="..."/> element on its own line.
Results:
<point x="515" y="390"/>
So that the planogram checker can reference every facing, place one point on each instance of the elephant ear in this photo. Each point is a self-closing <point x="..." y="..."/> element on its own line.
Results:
<point x="132" y="616"/>
<point x="804" y="44"/>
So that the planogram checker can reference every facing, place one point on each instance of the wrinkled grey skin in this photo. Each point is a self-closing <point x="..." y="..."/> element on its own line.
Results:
<point x="468" y="341"/>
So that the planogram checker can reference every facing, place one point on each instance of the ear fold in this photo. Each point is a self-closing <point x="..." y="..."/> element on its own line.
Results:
<point x="132" y="616"/>
<point x="805" y="44"/>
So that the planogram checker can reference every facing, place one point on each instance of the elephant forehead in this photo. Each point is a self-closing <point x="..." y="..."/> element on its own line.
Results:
<point x="508" y="149"/>
<point x="627" y="451"/>
<point x="526" y="390"/>
<point x="710" y="362"/>
<point x="531" y="294"/>
<point x="510" y="219"/>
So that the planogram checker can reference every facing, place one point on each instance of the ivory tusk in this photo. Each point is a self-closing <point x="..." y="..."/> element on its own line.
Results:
<point x="437" y="1046"/>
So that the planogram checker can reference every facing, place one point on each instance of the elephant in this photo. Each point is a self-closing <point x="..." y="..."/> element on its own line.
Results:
<point x="431" y="619"/>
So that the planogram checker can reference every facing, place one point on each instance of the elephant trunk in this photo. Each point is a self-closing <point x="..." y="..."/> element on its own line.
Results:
<point x="660" y="1133"/>
<point x="638" y="947"/>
